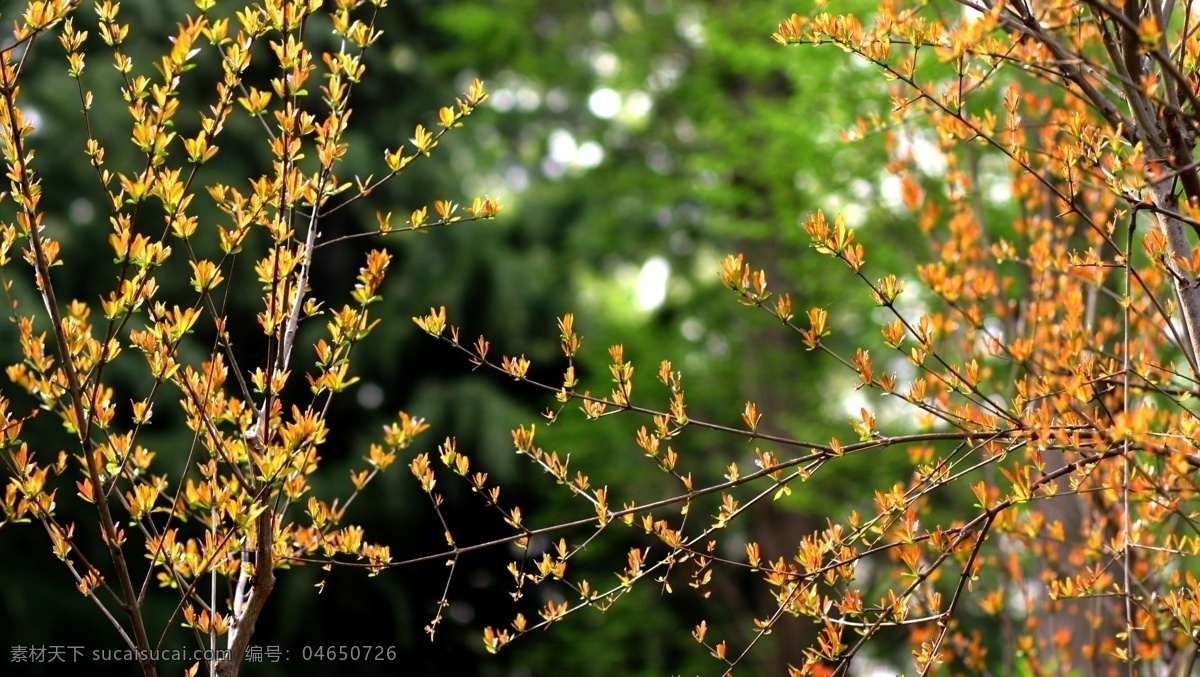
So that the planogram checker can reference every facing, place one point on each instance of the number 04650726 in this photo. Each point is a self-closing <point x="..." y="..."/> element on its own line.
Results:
<point x="342" y="652"/>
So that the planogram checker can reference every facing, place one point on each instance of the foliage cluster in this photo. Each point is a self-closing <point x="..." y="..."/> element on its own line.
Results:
<point x="1045" y="355"/>
<point x="216" y="522"/>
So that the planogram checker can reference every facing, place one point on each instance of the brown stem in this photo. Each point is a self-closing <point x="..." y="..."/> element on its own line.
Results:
<point x="242" y="629"/>
<point x="129" y="602"/>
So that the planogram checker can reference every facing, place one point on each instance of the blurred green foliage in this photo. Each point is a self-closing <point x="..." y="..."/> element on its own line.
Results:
<point x="627" y="138"/>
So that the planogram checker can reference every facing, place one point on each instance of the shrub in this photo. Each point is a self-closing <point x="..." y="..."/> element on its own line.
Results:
<point x="1035" y="387"/>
